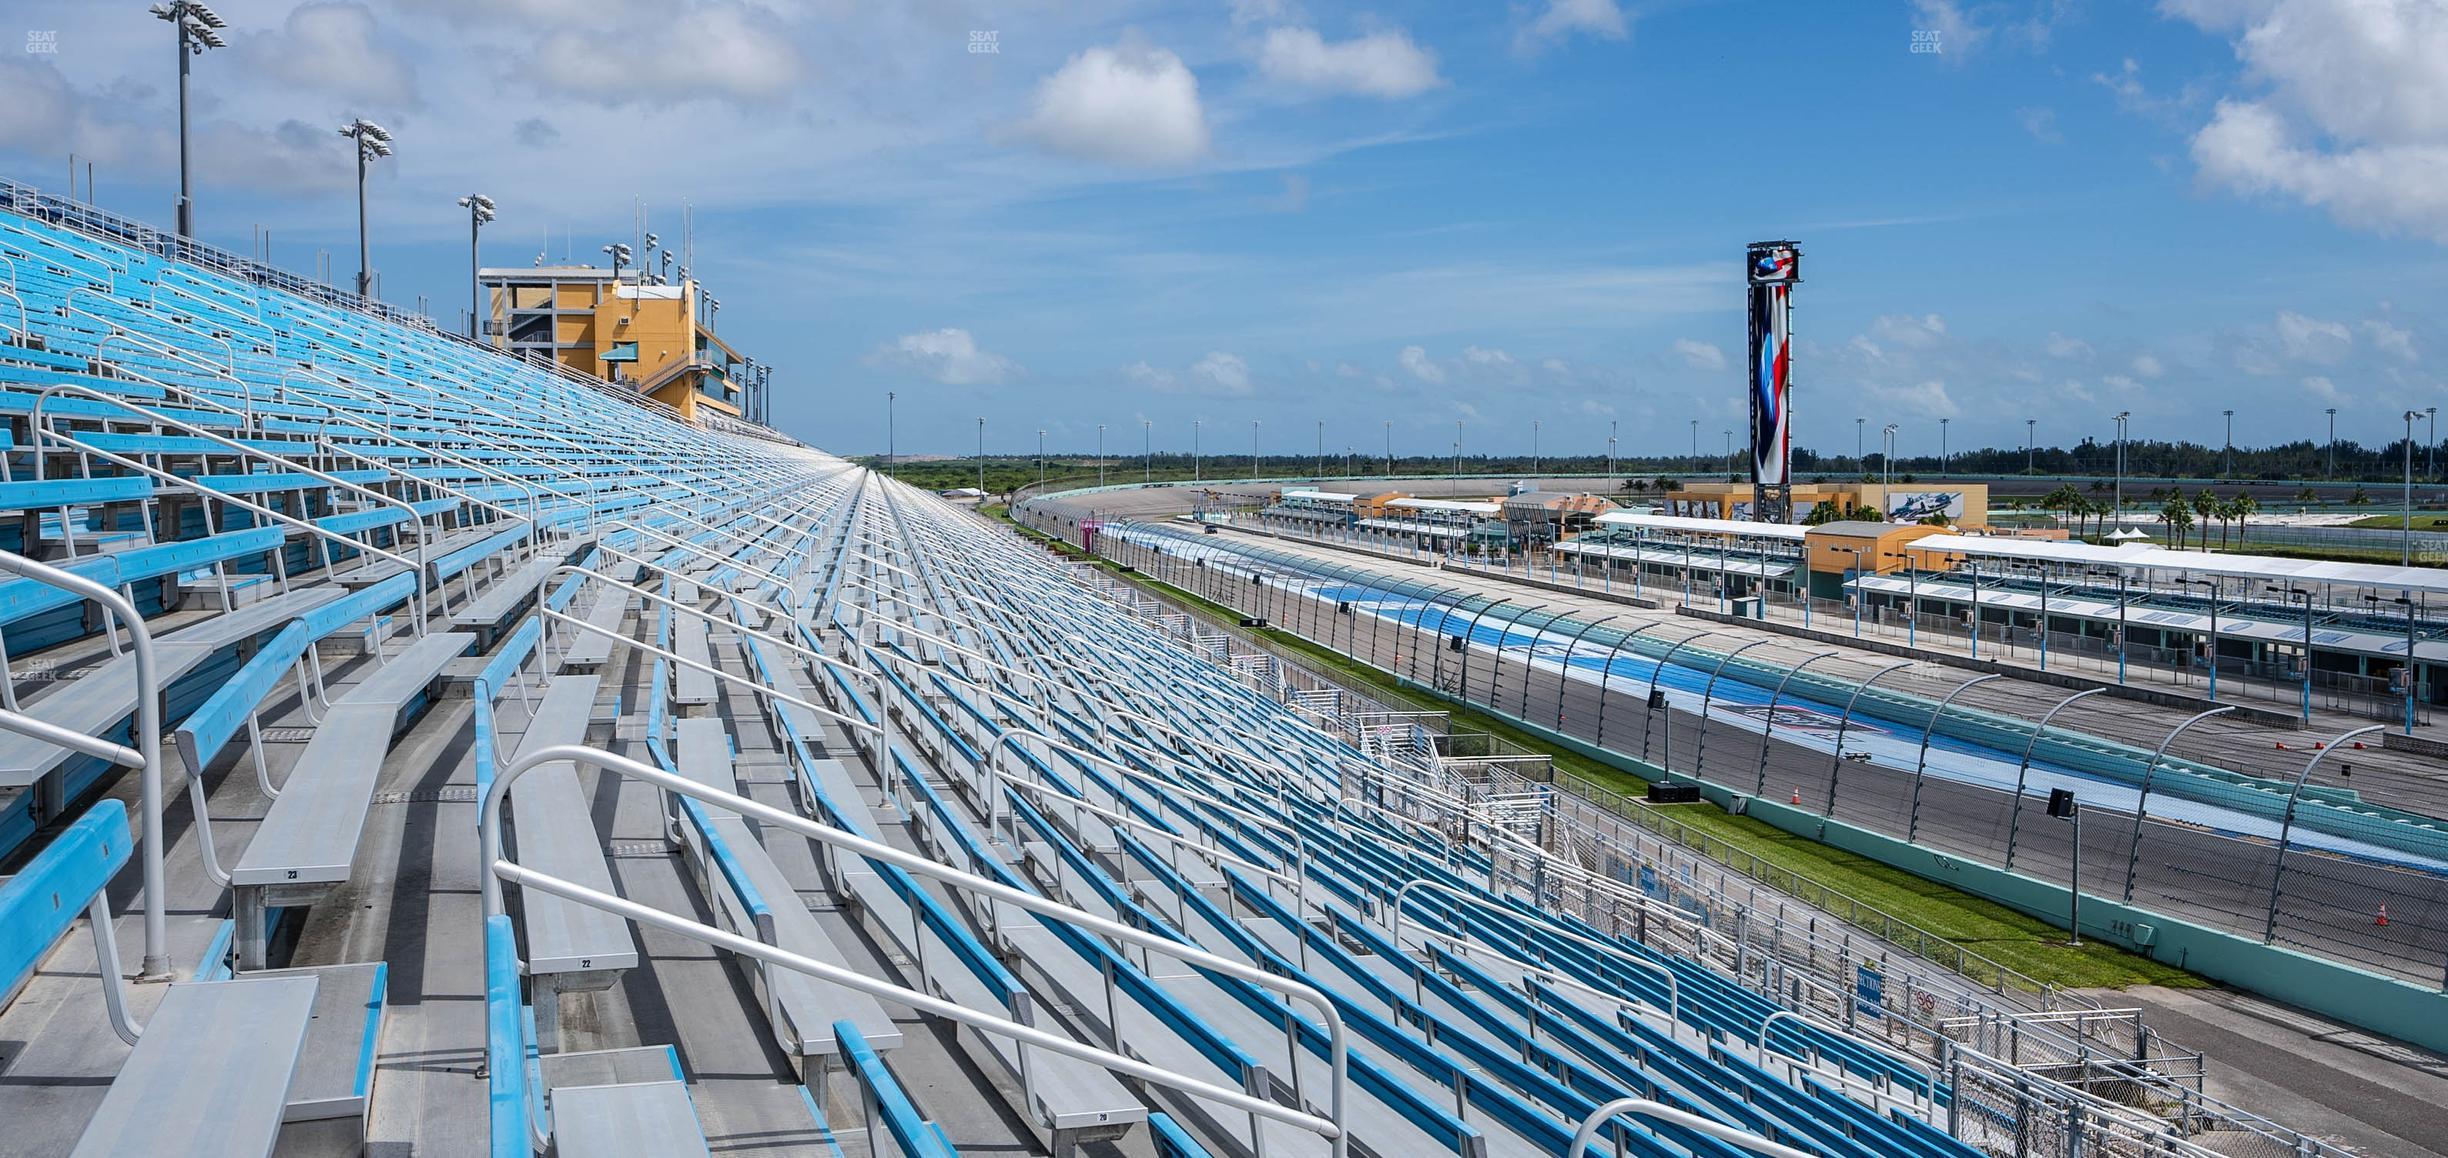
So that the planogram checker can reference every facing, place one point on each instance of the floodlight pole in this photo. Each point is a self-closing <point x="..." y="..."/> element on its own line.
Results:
<point x="480" y="210"/>
<point x="2406" y="555"/>
<point x="364" y="255"/>
<point x="186" y="201"/>
<point x="2121" y="417"/>
<point x="371" y="141"/>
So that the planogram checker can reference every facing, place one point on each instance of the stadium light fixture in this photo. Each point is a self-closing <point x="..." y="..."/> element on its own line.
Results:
<point x="2122" y="417"/>
<point x="199" y="28"/>
<point x="480" y="211"/>
<point x="373" y="143"/>
<point x="1887" y="465"/>
<point x="619" y="253"/>
<point x="2407" y="558"/>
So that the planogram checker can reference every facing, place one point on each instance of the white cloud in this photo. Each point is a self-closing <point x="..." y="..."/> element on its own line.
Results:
<point x="727" y="50"/>
<point x="1564" y="19"/>
<point x="2309" y="339"/>
<point x="950" y="356"/>
<point x="2147" y="366"/>
<point x="1488" y="366"/>
<point x="2353" y="113"/>
<point x="1421" y="366"/>
<point x="1381" y="64"/>
<point x="1255" y="11"/>
<point x="1295" y="193"/>
<point x="2391" y="340"/>
<point x="1128" y="105"/>
<point x="1700" y="355"/>
<point x="1908" y="331"/>
<point x="1925" y="400"/>
<point x="1219" y="373"/>
<point x="335" y="48"/>
<point x="2041" y="123"/>
<point x="1222" y="373"/>
<point x="2060" y="346"/>
<point x="2323" y="389"/>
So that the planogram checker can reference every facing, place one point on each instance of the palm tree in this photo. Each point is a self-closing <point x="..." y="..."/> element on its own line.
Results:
<point x="2178" y="515"/>
<point x="2065" y="499"/>
<point x="2242" y="507"/>
<point x="2080" y="508"/>
<point x="2206" y="506"/>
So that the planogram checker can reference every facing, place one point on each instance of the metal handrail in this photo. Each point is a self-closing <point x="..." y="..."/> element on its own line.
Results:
<point x="1674" y="991"/>
<point x="156" y="965"/>
<point x="828" y="714"/>
<point x="1003" y="741"/>
<point x="499" y="869"/>
<point x="41" y="430"/>
<point x="700" y="613"/>
<point x="1042" y="683"/>
<point x="1643" y="1107"/>
<point x="535" y="498"/>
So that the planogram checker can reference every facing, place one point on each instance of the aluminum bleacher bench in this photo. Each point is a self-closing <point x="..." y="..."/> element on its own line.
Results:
<point x="693" y="690"/>
<point x="589" y="650"/>
<point x="309" y="837"/>
<point x="753" y="898"/>
<point x="621" y="1103"/>
<point x="97" y="701"/>
<point x="570" y="947"/>
<point x="502" y="599"/>
<point x="640" y="1119"/>
<point x="210" y="1074"/>
<point x="1073" y="1102"/>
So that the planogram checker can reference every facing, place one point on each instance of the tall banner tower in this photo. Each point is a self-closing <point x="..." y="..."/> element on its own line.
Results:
<point x="1770" y="271"/>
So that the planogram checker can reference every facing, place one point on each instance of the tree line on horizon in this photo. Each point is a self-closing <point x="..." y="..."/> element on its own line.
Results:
<point x="2304" y="460"/>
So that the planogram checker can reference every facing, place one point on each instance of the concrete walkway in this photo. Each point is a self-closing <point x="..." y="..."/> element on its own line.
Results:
<point x="2358" y="1089"/>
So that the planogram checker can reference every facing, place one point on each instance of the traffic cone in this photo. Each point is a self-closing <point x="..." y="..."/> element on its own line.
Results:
<point x="2383" y="921"/>
<point x="1797" y="796"/>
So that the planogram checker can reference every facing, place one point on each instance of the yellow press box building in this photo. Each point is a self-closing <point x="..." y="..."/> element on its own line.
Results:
<point x="626" y="326"/>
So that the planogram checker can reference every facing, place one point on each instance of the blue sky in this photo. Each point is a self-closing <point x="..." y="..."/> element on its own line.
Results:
<point x="1294" y="212"/>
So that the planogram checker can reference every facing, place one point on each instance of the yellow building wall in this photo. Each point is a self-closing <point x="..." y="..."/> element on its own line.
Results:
<point x="1832" y="552"/>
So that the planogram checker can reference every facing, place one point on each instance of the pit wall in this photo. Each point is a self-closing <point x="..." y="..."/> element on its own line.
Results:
<point x="2381" y="1004"/>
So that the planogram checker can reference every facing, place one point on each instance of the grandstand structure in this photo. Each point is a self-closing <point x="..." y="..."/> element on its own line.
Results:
<point x="411" y="748"/>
